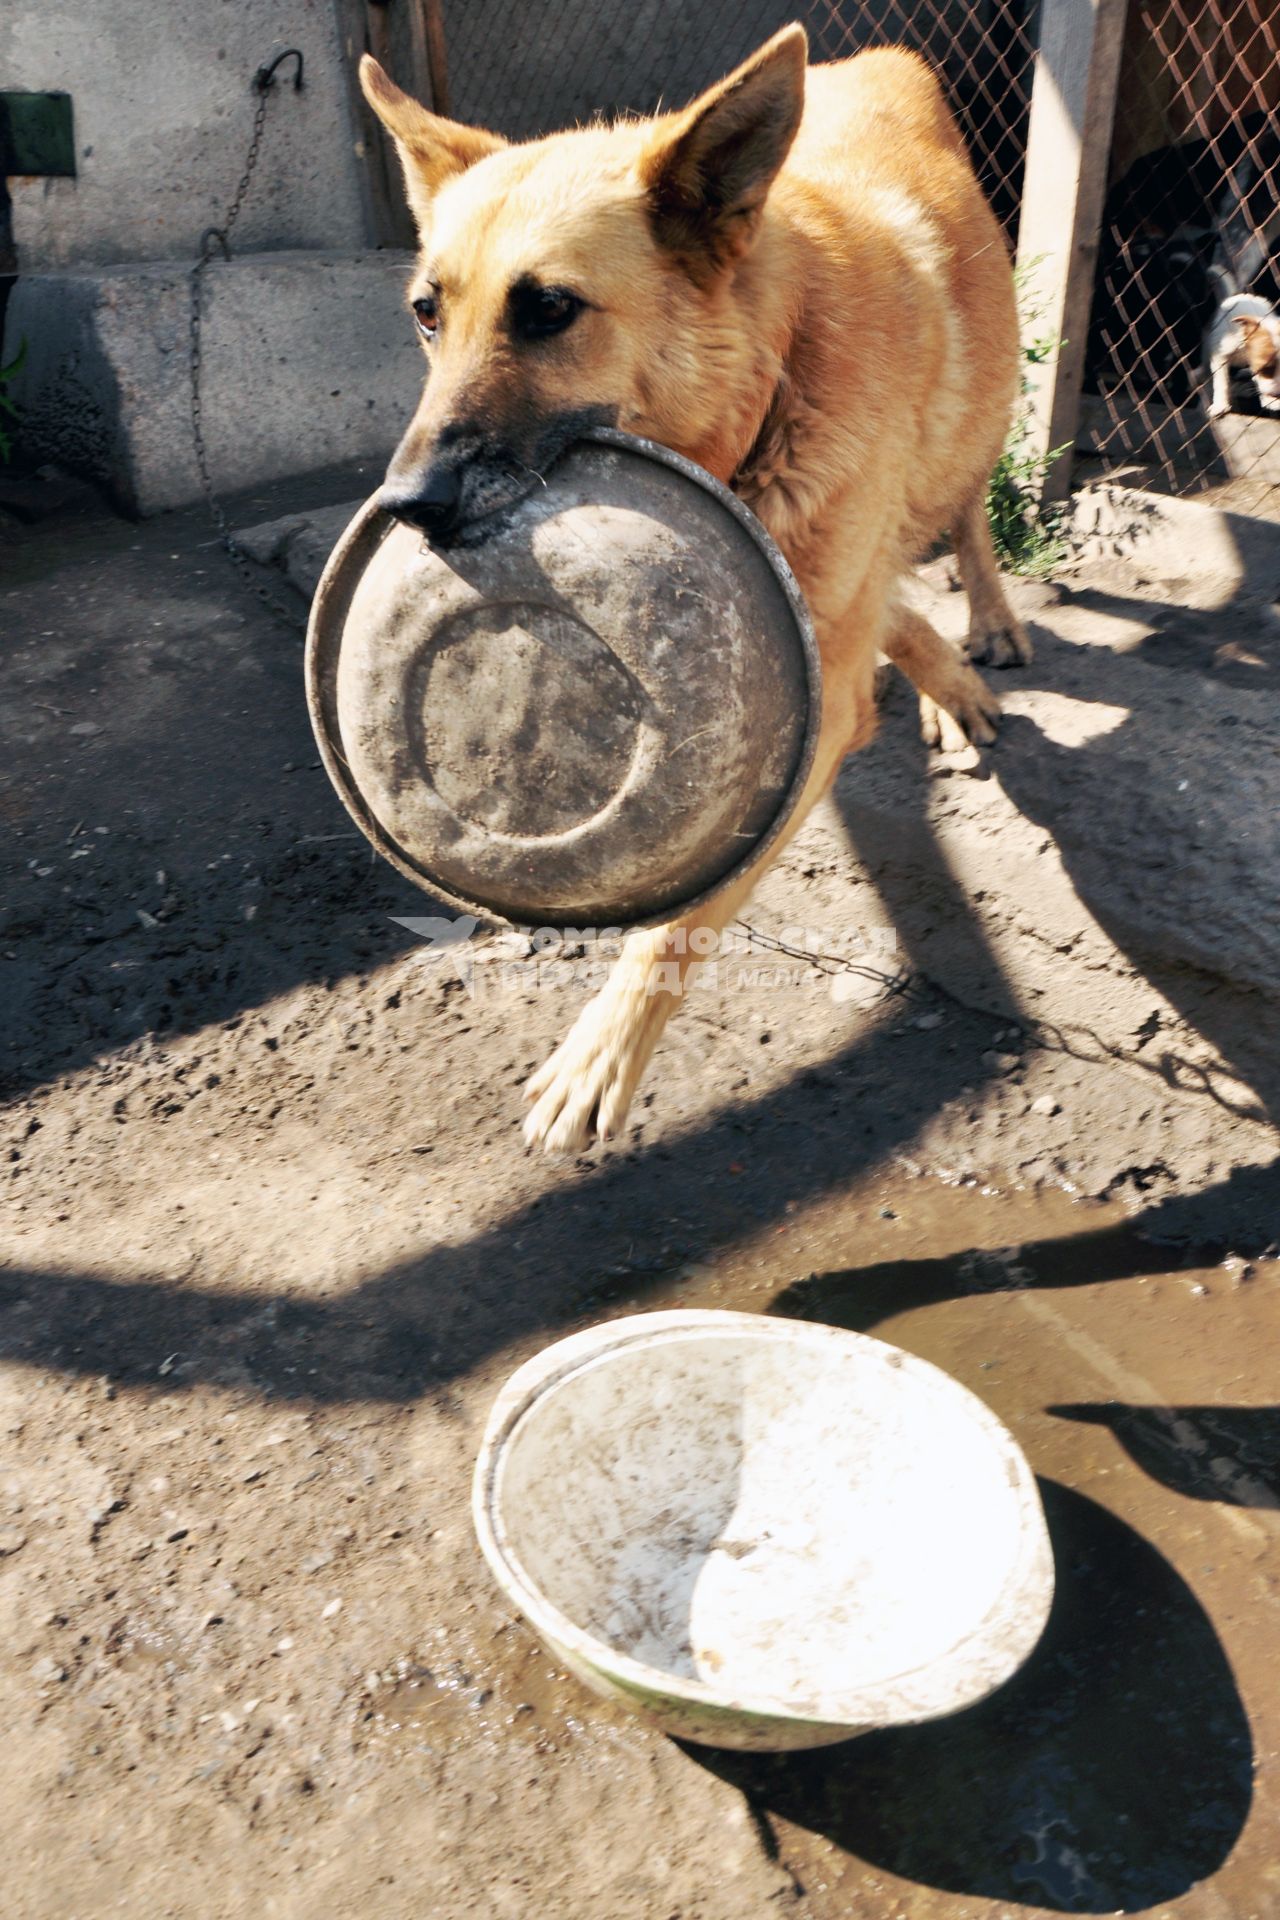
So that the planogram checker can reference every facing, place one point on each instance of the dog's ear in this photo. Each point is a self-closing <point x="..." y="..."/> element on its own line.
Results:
<point x="1248" y="327"/>
<point x="431" y="150"/>
<point x="709" y="169"/>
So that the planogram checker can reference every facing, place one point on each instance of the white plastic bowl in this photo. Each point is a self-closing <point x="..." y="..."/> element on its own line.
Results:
<point x="762" y="1533"/>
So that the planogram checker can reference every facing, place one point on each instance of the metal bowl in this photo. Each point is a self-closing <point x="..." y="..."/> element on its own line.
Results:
<point x="762" y="1533"/>
<point x="596" y="718"/>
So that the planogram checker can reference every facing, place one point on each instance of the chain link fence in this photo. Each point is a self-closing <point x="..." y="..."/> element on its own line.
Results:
<point x="1191" y="221"/>
<point x="554" y="63"/>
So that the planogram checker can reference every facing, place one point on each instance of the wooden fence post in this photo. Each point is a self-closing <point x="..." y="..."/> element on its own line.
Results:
<point x="406" y="37"/>
<point x="437" y="56"/>
<point x="1073" y="99"/>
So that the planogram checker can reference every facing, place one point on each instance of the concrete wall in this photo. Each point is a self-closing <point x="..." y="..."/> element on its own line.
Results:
<point x="163" y="104"/>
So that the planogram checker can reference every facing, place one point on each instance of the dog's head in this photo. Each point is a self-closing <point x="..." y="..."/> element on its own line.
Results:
<point x="579" y="280"/>
<point x="1262" y="350"/>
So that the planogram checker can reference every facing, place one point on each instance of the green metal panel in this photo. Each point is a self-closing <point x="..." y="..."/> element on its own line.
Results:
<point x="36" y="133"/>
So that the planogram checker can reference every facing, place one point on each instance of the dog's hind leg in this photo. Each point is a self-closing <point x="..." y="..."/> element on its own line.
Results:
<point x="996" y="635"/>
<point x="957" y="707"/>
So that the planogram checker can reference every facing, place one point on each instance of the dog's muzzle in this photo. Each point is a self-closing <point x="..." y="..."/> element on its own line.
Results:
<point x="454" y="495"/>
<point x="459" y="497"/>
<point x="432" y="505"/>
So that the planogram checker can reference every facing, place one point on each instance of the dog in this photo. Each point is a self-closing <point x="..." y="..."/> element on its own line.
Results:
<point x="1244" y="332"/>
<point x="1183" y="229"/>
<point x="795" y="282"/>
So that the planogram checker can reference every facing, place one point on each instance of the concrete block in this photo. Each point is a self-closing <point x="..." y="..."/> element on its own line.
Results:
<point x="308" y="360"/>
<point x="299" y="543"/>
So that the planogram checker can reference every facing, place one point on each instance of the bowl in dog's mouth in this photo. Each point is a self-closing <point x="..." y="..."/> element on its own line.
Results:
<point x="762" y="1533"/>
<point x="595" y="718"/>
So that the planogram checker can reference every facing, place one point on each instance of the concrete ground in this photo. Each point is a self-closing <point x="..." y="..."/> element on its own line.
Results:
<point x="271" y="1244"/>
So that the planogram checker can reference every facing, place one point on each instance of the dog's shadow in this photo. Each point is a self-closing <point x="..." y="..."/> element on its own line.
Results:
<point x="1228" y="1455"/>
<point x="1112" y="1773"/>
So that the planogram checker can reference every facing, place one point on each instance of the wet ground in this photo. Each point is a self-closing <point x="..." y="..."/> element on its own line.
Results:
<point x="271" y="1245"/>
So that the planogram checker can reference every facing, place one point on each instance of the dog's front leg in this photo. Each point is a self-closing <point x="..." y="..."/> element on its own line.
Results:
<point x="586" y="1087"/>
<point x="1220" y="378"/>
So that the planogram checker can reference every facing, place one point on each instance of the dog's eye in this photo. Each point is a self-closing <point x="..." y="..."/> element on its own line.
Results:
<point x="537" y="312"/>
<point x="426" y="312"/>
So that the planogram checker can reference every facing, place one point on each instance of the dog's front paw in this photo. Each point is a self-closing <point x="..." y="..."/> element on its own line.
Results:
<point x="1006" y="645"/>
<point x="968" y="719"/>
<point x="584" y="1090"/>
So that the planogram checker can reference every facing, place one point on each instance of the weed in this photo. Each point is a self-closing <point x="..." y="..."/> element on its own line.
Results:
<point x="1028" y="536"/>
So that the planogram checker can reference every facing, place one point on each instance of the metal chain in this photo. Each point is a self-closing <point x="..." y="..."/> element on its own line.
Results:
<point x="215" y="240"/>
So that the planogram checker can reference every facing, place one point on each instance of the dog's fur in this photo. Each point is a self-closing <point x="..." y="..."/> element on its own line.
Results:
<point x="1245" y="332"/>
<point x="800" y="287"/>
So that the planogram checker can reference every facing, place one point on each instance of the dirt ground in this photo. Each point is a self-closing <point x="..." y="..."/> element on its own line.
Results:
<point x="271" y="1244"/>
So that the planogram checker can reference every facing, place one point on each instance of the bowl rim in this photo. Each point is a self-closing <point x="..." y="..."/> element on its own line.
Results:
<point x="1031" y="1575"/>
<point x="335" y="590"/>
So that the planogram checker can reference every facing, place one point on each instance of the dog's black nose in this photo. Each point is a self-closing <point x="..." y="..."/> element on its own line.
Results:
<point x="430" y="502"/>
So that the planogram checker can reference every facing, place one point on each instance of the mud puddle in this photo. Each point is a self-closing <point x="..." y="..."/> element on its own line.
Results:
<point x="1115" y="1771"/>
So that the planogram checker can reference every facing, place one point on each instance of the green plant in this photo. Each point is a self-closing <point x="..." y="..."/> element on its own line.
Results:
<point x="1028" y="535"/>
<point x="6" y="404"/>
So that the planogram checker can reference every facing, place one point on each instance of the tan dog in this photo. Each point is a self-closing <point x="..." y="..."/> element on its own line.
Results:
<point x="799" y="287"/>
